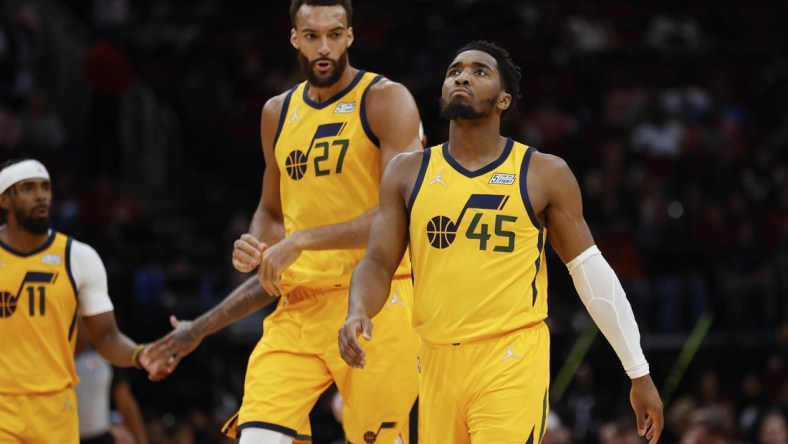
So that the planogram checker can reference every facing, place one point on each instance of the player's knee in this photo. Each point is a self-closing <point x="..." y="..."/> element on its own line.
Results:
<point x="263" y="436"/>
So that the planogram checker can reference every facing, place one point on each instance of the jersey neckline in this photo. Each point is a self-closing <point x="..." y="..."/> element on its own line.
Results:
<point x="483" y="170"/>
<point x="43" y="247"/>
<point x="339" y="95"/>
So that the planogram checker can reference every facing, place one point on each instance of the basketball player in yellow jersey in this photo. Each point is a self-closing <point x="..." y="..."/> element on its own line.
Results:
<point x="325" y="143"/>
<point x="46" y="279"/>
<point x="477" y="212"/>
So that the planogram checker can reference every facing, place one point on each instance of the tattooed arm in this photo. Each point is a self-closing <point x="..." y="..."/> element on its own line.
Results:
<point x="187" y="335"/>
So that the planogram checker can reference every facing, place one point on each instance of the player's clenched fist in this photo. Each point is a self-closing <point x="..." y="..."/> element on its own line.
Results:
<point x="247" y="252"/>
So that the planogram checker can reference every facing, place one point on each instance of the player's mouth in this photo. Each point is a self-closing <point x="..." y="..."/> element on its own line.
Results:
<point x="40" y="211"/>
<point x="323" y="66"/>
<point x="460" y="91"/>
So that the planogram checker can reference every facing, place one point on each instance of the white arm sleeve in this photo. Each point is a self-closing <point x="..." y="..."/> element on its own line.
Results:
<point x="90" y="278"/>
<point x="604" y="298"/>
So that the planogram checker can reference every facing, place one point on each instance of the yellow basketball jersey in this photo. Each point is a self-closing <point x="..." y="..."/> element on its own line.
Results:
<point x="38" y="308"/>
<point x="329" y="162"/>
<point x="477" y="248"/>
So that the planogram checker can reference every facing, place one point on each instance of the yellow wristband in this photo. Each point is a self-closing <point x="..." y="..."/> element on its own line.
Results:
<point x="135" y="355"/>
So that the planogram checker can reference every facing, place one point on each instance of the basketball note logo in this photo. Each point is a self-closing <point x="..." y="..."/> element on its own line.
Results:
<point x="371" y="437"/>
<point x="442" y="230"/>
<point x="297" y="161"/>
<point x="7" y="304"/>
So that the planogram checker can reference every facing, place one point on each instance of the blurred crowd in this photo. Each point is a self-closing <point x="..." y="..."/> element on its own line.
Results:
<point x="672" y="114"/>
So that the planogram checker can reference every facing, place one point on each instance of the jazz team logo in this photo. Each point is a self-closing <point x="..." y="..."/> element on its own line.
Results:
<point x="442" y="230"/>
<point x="36" y="295"/>
<point x="7" y="304"/>
<point x="297" y="161"/>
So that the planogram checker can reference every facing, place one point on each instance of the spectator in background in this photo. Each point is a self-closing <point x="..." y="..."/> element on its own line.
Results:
<point x="21" y="52"/>
<point x="43" y="130"/>
<point x="674" y="29"/>
<point x="588" y="30"/>
<point x="107" y="73"/>
<point x="773" y="428"/>
<point x="708" y="425"/>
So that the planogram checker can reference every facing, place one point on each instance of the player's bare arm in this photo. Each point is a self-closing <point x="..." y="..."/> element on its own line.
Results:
<point x="397" y="132"/>
<point x="116" y="347"/>
<point x="266" y="227"/>
<point x="556" y="198"/>
<point x="394" y="117"/>
<point x="187" y="335"/>
<point x="558" y="201"/>
<point x="388" y="239"/>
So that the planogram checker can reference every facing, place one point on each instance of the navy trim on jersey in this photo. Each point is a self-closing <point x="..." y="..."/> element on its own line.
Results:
<point x="544" y="417"/>
<point x="72" y="327"/>
<point x="413" y="425"/>
<point x="425" y="160"/>
<point x="283" y="115"/>
<point x="68" y="265"/>
<point x="530" y="439"/>
<point x="339" y="95"/>
<point x="531" y="215"/>
<point x="52" y="234"/>
<point x="364" y="121"/>
<point x="39" y="277"/>
<point x="268" y="426"/>
<point x="485" y="169"/>
<point x="537" y="265"/>
<point x="524" y="188"/>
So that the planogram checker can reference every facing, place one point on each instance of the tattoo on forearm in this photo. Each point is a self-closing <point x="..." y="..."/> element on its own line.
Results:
<point x="245" y="299"/>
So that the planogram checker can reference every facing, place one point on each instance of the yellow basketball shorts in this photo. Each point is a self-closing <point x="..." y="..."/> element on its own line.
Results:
<point x="298" y="358"/>
<point x="490" y="391"/>
<point x="49" y="418"/>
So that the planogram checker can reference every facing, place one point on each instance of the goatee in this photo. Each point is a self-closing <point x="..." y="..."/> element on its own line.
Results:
<point x="462" y="111"/>
<point x="323" y="81"/>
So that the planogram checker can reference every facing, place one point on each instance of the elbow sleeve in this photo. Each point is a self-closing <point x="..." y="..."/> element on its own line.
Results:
<point x="606" y="302"/>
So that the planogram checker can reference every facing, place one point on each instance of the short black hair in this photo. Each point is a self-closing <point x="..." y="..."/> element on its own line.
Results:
<point x="295" y="5"/>
<point x="510" y="73"/>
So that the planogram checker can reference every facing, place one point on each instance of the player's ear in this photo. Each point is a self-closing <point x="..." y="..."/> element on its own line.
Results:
<point x="294" y="38"/>
<point x="349" y="36"/>
<point x="505" y="101"/>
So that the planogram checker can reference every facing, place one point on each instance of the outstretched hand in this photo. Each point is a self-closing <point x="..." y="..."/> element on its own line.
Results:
<point x="349" y="346"/>
<point x="648" y="408"/>
<point x="162" y="357"/>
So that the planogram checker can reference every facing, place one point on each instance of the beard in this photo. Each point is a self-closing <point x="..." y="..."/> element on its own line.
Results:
<point x="34" y="225"/>
<point x="323" y="81"/>
<point x="464" y="111"/>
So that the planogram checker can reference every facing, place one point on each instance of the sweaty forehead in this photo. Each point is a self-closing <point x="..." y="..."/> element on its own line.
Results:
<point x="475" y="57"/>
<point x="318" y="17"/>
